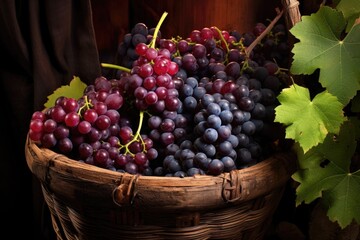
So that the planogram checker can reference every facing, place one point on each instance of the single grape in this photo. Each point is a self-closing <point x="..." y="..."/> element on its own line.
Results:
<point x="215" y="167"/>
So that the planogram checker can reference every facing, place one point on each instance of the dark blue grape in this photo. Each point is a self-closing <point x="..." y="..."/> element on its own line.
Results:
<point x="246" y="104"/>
<point x="187" y="90"/>
<point x="171" y="148"/>
<point x="186" y="153"/>
<point x="244" y="156"/>
<point x="260" y="73"/>
<point x="169" y="114"/>
<point x="203" y="62"/>
<point x="259" y="111"/>
<point x="255" y="95"/>
<point x="255" y="149"/>
<point x="272" y="82"/>
<point x="190" y="103"/>
<point x="241" y="91"/>
<point x="140" y="28"/>
<point x="268" y="96"/>
<point x="233" y="140"/>
<point x="199" y="92"/>
<point x="186" y="144"/>
<point x="226" y="116"/>
<point x="225" y="148"/>
<point x="243" y="139"/>
<point x="200" y="128"/>
<point x="147" y="172"/>
<point x="242" y="80"/>
<point x="200" y="116"/>
<point x="179" y="134"/>
<point x="224" y="104"/>
<point x="201" y="160"/>
<point x="229" y="163"/>
<point x="238" y="117"/>
<point x="259" y="124"/>
<point x="209" y="150"/>
<point x="207" y="99"/>
<point x="210" y="135"/>
<point x="213" y="109"/>
<point x="229" y="97"/>
<point x="224" y="132"/>
<point x="173" y="166"/>
<point x="213" y="121"/>
<point x="236" y="129"/>
<point x="221" y="75"/>
<point x="215" y="167"/>
<point x="254" y="84"/>
<point x="249" y="128"/>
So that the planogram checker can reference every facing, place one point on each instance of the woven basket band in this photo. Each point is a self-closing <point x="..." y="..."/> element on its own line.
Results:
<point x="125" y="193"/>
<point x="231" y="188"/>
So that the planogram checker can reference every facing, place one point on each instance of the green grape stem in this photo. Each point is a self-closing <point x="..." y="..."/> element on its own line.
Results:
<point x="109" y="65"/>
<point x="136" y="137"/>
<point x="223" y="39"/>
<point x="87" y="105"/>
<point x="153" y="41"/>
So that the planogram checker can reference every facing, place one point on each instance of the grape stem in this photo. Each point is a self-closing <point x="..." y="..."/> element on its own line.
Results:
<point x="249" y="49"/>
<point x="223" y="39"/>
<point x="153" y="41"/>
<point x="136" y="137"/>
<point x="109" y="65"/>
<point x="87" y="105"/>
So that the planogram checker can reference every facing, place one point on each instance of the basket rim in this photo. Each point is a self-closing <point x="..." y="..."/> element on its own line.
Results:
<point x="235" y="186"/>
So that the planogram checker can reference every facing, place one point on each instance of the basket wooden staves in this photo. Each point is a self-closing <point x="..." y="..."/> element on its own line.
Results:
<point x="88" y="202"/>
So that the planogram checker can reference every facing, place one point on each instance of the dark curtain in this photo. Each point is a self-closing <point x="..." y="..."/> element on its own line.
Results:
<point x="43" y="44"/>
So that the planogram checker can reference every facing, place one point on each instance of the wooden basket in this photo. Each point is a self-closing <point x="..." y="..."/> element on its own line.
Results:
<point x="88" y="202"/>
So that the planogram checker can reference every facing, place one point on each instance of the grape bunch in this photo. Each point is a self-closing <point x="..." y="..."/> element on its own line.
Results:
<point x="199" y="105"/>
<point x="126" y="53"/>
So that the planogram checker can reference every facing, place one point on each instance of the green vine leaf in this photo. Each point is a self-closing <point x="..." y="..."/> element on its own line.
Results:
<point x="320" y="47"/>
<point x="74" y="90"/>
<point x="351" y="11"/>
<point x="308" y="122"/>
<point x="324" y="172"/>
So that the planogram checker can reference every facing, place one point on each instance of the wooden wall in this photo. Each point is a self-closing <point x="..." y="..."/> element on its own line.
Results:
<point x="114" y="18"/>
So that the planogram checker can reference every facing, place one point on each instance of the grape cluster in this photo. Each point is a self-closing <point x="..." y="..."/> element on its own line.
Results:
<point x="126" y="53"/>
<point x="200" y="105"/>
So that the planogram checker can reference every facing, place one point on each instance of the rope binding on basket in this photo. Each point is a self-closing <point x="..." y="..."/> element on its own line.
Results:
<point x="125" y="193"/>
<point x="231" y="187"/>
